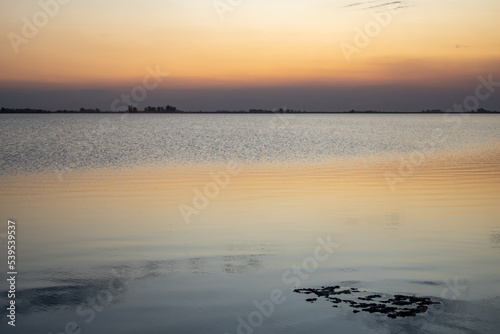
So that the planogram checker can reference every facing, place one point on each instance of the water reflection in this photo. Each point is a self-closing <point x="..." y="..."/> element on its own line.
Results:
<point x="198" y="265"/>
<point x="64" y="289"/>
<point x="431" y="283"/>
<point x="67" y="289"/>
<point x="241" y="264"/>
<point x="441" y="221"/>
<point x="393" y="221"/>
<point x="495" y="239"/>
<point x="43" y="143"/>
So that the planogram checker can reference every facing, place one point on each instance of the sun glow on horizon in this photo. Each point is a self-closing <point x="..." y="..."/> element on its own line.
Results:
<point x="258" y="43"/>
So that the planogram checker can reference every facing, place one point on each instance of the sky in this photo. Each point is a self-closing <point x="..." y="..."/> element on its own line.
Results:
<point x="311" y="55"/>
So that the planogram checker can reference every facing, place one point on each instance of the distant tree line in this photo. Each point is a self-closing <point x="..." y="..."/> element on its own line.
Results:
<point x="23" y="111"/>
<point x="149" y="109"/>
<point x="280" y="110"/>
<point x="172" y="109"/>
<point x="41" y="111"/>
<point x="478" y="111"/>
<point x="90" y="110"/>
<point x="131" y="109"/>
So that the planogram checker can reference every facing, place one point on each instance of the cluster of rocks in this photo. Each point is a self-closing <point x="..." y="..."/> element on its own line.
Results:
<point x="398" y="306"/>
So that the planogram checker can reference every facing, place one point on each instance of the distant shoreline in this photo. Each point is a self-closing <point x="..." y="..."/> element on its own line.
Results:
<point x="173" y="110"/>
<point x="243" y="112"/>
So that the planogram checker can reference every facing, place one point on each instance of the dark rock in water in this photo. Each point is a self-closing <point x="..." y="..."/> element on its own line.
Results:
<point x="422" y="309"/>
<point x="352" y="302"/>
<point x="305" y="291"/>
<point x="390" y="306"/>
<point x="364" y="305"/>
<point x="406" y="313"/>
<point x="400" y="302"/>
<point x="335" y="300"/>
<point x="370" y="297"/>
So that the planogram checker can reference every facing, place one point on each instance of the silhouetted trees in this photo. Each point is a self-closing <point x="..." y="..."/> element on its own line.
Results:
<point x="150" y="109"/>
<point x="172" y="109"/>
<point x="83" y="110"/>
<point x="280" y="110"/>
<point x="22" y="111"/>
<point x="478" y="111"/>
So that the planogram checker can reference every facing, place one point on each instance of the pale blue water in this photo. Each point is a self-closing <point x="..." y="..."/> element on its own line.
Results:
<point x="103" y="244"/>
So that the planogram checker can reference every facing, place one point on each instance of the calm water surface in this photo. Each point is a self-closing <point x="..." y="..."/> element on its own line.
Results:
<point x="183" y="223"/>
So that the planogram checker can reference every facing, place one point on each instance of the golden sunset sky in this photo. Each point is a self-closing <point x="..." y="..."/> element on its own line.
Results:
<point x="72" y="53"/>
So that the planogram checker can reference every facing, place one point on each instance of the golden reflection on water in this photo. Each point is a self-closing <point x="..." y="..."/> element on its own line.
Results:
<point x="446" y="207"/>
<point x="352" y="188"/>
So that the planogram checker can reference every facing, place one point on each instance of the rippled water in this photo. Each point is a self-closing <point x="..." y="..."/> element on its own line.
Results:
<point x="38" y="143"/>
<point x="182" y="223"/>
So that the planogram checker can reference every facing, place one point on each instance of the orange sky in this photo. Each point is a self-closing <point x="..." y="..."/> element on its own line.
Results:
<point x="103" y="45"/>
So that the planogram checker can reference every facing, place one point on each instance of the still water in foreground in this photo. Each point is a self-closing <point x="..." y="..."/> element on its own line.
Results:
<point x="192" y="223"/>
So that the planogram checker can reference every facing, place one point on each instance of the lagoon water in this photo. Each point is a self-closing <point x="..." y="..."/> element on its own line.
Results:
<point x="190" y="223"/>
